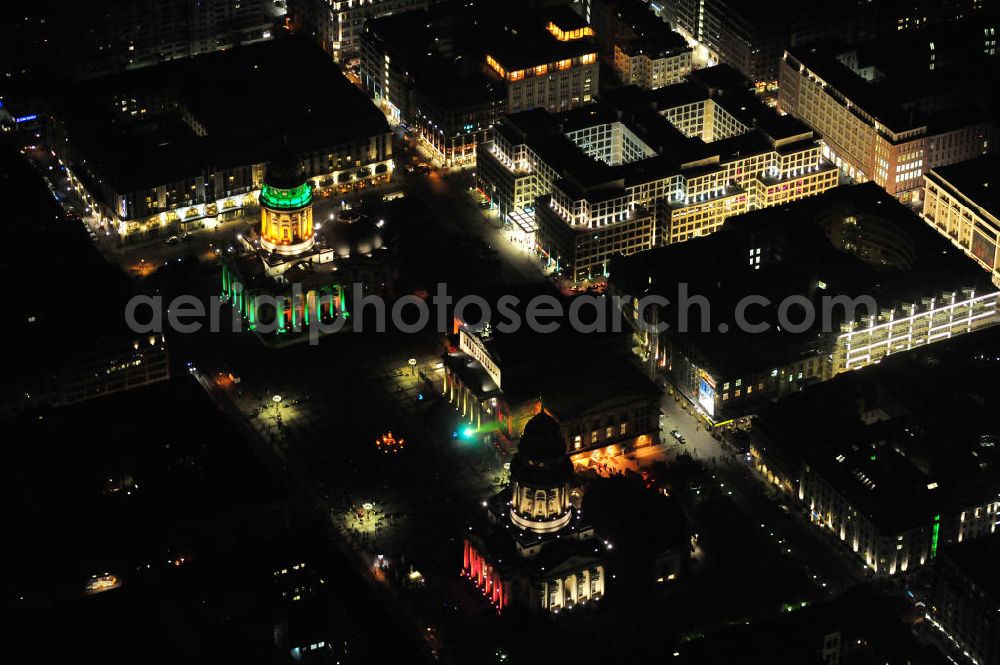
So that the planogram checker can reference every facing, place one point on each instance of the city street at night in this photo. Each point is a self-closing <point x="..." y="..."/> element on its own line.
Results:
<point x="502" y="332"/>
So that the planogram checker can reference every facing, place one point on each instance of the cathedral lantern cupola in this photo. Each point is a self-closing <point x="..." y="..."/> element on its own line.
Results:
<point x="286" y="223"/>
<point x="540" y="475"/>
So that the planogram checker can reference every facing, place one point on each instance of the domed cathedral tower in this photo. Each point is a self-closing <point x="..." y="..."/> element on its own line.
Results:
<point x="286" y="221"/>
<point x="534" y="548"/>
<point x="540" y="475"/>
<point x="286" y="280"/>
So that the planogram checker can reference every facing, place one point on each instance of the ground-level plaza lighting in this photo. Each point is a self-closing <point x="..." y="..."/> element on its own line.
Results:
<point x="102" y="583"/>
<point x="388" y="443"/>
<point x="276" y="399"/>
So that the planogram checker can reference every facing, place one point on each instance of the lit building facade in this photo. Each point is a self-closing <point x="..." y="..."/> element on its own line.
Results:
<point x="337" y="25"/>
<point x="449" y="106"/>
<point x="881" y="547"/>
<point x="543" y="379"/>
<point x="286" y="225"/>
<point x="640" y="45"/>
<point x="960" y="205"/>
<point x="111" y="359"/>
<point x="900" y="15"/>
<point x="557" y="73"/>
<point x="257" y="283"/>
<point x="450" y="74"/>
<point x="125" y="366"/>
<point x="859" y="453"/>
<point x="547" y="562"/>
<point x="68" y="347"/>
<point x="913" y="324"/>
<point x="963" y="600"/>
<point x="870" y="137"/>
<point x="649" y="71"/>
<point x="162" y="162"/>
<point x="742" y="36"/>
<point x="108" y="367"/>
<point x="106" y="37"/>
<point x="559" y="85"/>
<point x="625" y="177"/>
<point x="835" y="246"/>
<point x="858" y="625"/>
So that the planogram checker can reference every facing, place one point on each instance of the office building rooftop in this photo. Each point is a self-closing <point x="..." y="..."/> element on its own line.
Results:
<point x="228" y="109"/>
<point x="904" y="440"/>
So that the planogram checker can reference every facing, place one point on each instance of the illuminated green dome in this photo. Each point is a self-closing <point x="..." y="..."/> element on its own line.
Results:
<point x="286" y="199"/>
<point x="285" y="184"/>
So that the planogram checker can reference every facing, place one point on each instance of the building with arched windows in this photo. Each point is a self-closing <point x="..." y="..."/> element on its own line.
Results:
<point x="284" y="279"/>
<point x="536" y="550"/>
<point x="291" y="274"/>
<point x="604" y="405"/>
<point x="286" y="221"/>
<point x="173" y="148"/>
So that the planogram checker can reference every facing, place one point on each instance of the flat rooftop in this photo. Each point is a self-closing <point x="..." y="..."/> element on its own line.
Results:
<point x="562" y="368"/>
<point x="977" y="559"/>
<point x="60" y="320"/>
<point x="877" y="98"/>
<point x="226" y="109"/>
<point x="446" y="46"/>
<point x="978" y="180"/>
<point x="653" y="35"/>
<point x="886" y="252"/>
<point x="930" y="77"/>
<point x="878" y="434"/>
<point x="446" y="77"/>
<point x="781" y="11"/>
<point x="581" y="176"/>
<point x="519" y="39"/>
<point x="594" y="385"/>
<point x="863" y="619"/>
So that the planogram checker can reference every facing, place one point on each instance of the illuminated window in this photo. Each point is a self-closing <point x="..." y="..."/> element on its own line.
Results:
<point x="569" y="35"/>
<point x="491" y="61"/>
<point x="589" y="58"/>
<point x="541" y="70"/>
<point x="565" y="64"/>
